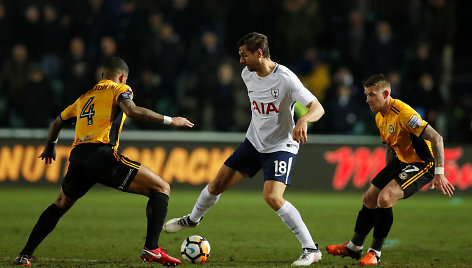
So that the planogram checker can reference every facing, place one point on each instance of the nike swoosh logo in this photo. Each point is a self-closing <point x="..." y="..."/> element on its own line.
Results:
<point x="154" y="255"/>
<point x="411" y="169"/>
<point x="250" y="91"/>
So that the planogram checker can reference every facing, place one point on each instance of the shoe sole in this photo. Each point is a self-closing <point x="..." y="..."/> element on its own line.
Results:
<point x="315" y="261"/>
<point x="350" y="256"/>
<point x="149" y="259"/>
<point x="166" y="227"/>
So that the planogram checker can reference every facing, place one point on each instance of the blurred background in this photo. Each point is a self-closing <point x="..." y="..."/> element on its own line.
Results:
<point x="184" y="61"/>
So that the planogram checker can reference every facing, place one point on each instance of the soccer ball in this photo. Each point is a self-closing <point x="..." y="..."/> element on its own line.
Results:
<point x="195" y="249"/>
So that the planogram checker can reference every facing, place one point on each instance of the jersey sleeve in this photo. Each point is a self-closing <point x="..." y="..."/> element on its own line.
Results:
<point x="69" y="112"/>
<point x="298" y="91"/>
<point x="124" y="92"/>
<point x="412" y="122"/>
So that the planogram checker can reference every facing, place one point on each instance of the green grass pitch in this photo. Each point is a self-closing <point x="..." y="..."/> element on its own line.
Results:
<point x="107" y="228"/>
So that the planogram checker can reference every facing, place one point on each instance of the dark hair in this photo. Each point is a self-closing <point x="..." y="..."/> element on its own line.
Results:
<point x="255" y="41"/>
<point x="115" y="65"/>
<point x="377" y="80"/>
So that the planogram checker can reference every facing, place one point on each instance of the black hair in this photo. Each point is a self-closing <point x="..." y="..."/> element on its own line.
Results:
<point x="115" y="65"/>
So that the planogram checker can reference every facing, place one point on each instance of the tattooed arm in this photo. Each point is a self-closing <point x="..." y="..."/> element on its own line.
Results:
<point x="436" y="144"/>
<point x="440" y="182"/>
<point x="143" y="114"/>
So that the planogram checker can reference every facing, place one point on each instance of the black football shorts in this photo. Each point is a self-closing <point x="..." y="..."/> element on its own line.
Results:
<point x="97" y="163"/>
<point x="411" y="177"/>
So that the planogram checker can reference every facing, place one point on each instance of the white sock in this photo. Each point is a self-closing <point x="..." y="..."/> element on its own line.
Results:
<point x="378" y="253"/>
<point x="204" y="202"/>
<point x="353" y="246"/>
<point x="292" y="218"/>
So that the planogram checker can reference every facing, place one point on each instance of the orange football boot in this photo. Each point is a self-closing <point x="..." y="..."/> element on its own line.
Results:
<point x="370" y="259"/>
<point x="343" y="251"/>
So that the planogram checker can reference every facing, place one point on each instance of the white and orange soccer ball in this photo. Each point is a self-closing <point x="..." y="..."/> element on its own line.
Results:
<point x="195" y="249"/>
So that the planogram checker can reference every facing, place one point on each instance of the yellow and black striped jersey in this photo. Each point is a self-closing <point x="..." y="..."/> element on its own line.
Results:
<point x="401" y="129"/>
<point x="99" y="118"/>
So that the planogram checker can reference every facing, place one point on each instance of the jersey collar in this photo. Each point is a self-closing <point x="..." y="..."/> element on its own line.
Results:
<point x="273" y="71"/>
<point x="392" y="100"/>
<point x="105" y="81"/>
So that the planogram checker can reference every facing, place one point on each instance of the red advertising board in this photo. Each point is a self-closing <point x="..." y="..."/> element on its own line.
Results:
<point x="319" y="166"/>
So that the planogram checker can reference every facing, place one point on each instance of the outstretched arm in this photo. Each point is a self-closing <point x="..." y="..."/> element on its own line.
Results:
<point x="440" y="182"/>
<point x="143" y="114"/>
<point x="49" y="152"/>
<point x="314" y="114"/>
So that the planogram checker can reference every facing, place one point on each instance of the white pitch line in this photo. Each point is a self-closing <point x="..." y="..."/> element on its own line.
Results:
<point x="65" y="259"/>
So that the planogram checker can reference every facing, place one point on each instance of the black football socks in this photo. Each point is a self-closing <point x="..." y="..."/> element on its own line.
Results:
<point x="364" y="223"/>
<point x="383" y="223"/>
<point x="156" y="211"/>
<point x="46" y="223"/>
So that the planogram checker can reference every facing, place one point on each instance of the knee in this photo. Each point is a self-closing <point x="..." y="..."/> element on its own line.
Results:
<point x="385" y="200"/>
<point x="369" y="201"/>
<point x="163" y="187"/>
<point x="64" y="204"/>
<point x="274" y="201"/>
<point x="61" y="206"/>
<point x="215" y="188"/>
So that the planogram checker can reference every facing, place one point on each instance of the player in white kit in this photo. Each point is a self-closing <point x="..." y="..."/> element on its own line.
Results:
<point x="271" y="144"/>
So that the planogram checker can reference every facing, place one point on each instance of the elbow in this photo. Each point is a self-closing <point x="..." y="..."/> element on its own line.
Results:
<point x="321" y="111"/>
<point x="132" y="113"/>
<point x="316" y="110"/>
<point x="436" y="139"/>
<point x="439" y="139"/>
<point x="57" y="123"/>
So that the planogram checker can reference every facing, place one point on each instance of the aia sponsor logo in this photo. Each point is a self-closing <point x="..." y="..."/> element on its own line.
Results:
<point x="264" y="108"/>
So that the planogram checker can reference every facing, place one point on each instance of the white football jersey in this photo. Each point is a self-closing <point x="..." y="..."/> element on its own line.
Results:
<point x="272" y="99"/>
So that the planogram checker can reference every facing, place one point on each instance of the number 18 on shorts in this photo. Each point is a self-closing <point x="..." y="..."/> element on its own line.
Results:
<point x="276" y="166"/>
<point x="279" y="166"/>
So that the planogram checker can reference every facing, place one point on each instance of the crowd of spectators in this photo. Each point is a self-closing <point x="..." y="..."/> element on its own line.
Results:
<point x="184" y="61"/>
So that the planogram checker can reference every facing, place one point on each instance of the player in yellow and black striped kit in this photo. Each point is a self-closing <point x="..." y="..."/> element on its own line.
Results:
<point x="99" y="115"/>
<point x="415" y="157"/>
